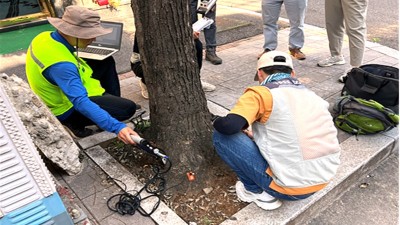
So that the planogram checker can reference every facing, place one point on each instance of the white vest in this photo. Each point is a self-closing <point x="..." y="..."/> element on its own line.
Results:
<point x="299" y="140"/>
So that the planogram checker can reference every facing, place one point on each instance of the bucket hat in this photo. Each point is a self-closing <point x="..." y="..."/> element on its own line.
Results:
<point x="79" y="22"/>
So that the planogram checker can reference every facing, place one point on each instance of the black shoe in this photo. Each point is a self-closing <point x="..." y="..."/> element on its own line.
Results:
<point x="212" y="56"/>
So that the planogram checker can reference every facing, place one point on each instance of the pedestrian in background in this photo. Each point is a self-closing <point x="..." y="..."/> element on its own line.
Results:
<point x="345" y="16"/>
<point x="210" y="33"/>
<point x="295" y="10"/>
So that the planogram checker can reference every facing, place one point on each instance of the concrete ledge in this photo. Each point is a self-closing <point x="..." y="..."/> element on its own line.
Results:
<point x="97" y="138"/>
<point x="93" y="140"/>
<point x="216" y="109"/>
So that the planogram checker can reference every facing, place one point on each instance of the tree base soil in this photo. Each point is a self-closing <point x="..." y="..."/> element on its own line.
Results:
<point x="211" y="205"/>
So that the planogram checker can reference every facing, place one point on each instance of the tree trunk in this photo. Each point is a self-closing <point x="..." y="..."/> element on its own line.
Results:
<point x="180" y="120"/>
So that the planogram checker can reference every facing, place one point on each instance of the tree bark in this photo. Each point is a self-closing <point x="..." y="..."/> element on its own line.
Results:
<point x="180" y="119"/>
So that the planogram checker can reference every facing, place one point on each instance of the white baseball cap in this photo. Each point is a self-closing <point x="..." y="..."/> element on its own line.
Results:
<point x="274" y="58"/>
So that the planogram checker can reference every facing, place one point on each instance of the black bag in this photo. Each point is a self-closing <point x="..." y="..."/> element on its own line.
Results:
<point x="376" y="82"/>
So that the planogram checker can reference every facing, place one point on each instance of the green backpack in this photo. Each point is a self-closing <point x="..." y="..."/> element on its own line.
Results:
<point x="360" y="116"/>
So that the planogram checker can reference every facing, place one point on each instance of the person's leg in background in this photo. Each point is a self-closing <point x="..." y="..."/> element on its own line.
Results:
<point x="355" y="14"/>
<point x="210" y="35"/>
<point x="193" y="10"/>
<point x="207" y="87"/>
<point x="199" y="52"/>
<point x="334" y="20"/>
<point x="270" y="15"/>
<point x="296" y="10"/>
<point x="136" y="66"/>
<point x="106" y="72"/>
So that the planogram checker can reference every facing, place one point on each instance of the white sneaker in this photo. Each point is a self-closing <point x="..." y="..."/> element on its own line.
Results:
<point x="144" y="91"/>
<point x="333" y="60"/>
<point x="262" y="200"/>
<point x="207" y="86"/>
<point x="343" y="78"/>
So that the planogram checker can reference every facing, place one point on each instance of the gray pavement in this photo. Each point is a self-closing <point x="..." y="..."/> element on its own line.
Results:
<point x="91" y="189"/>
<point x="371" y="200"/>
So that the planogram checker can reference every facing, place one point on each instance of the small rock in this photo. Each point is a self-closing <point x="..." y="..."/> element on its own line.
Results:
<point x="232" y="189"/>
<point x="59" y="145"/>
<point x="364" y="185"/>
<point x="208" y="190"/>
<point x="167" y="196"/>
<point x="192" y="223"/>
<point x="43" y="124"/>
<point x="75" y="213"/>
<point x="219" y="174"/>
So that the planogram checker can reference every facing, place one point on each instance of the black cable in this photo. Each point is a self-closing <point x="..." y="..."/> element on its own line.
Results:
<point x="128" y="203"/>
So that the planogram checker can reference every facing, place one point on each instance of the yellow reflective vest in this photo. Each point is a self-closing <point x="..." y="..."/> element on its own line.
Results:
<point x="43" y="52"/>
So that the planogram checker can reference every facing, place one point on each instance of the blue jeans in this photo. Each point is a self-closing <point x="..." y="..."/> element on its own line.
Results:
<point x="209" y="33"/>
<point x="243" y="156"/>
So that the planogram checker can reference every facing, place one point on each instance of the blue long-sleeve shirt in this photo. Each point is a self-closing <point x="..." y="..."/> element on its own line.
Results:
<point x="66" y="76"/>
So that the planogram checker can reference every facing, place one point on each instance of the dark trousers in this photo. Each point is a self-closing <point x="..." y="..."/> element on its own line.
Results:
<point x="199" y="52"/>
<point x="119" y="108"/>
<point x="106" y="72"/>
<point x="209" y="33"/>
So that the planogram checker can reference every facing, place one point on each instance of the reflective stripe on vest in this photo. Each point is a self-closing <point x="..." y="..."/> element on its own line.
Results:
<point x="44" y="52"/>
